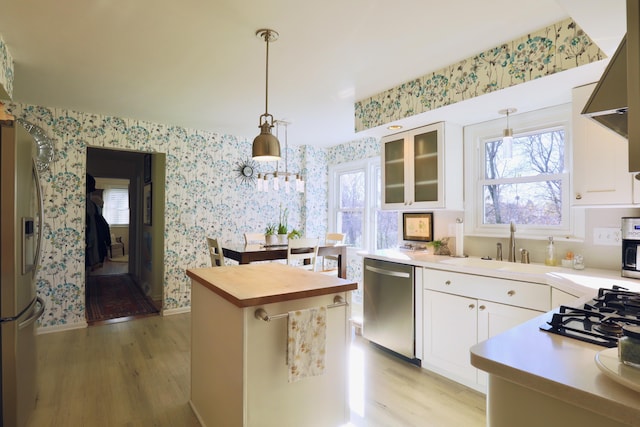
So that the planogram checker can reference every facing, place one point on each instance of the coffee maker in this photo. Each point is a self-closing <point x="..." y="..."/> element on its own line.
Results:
<point x="631" y="247"/>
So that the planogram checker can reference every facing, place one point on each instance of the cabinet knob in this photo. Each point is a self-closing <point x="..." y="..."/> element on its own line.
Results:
<point x="472" y="306"/>
<point x="511" y="293"/>
<point x="448" y="282"/>
<point x="578" y="196"/>
<point x="482" y="307"/>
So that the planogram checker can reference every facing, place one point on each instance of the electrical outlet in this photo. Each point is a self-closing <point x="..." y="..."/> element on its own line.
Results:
<point x="606" y="236"/>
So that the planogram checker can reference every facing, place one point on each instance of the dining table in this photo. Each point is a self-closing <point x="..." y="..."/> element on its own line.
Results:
<point x="247" y="253"/>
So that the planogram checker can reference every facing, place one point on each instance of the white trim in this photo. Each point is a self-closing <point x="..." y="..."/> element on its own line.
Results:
<point x="368" y="166"/>
<point x="558" y="116"/>
<point x="172" y="311"/>
<point x="60" y="328"/>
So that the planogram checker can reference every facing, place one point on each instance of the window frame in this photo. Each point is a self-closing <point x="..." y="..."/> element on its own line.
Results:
<point x="107" y="184"/>
<point x="474" y="138"/>
<point x="372" y="203"/>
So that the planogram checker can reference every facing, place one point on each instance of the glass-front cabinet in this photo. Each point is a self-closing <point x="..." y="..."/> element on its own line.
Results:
<point x="413" y="167"/>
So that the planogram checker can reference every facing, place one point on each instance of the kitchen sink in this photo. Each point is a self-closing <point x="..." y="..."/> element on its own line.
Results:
<point x="514" y="267"/>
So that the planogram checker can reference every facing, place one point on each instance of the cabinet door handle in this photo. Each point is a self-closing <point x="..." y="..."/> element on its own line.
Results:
<point x="472" y="306"/>
<point x="578" y="196"/>
<point x="448" y="282"/>
<point x="482" y="307"/>
<point x="511" y="293"/>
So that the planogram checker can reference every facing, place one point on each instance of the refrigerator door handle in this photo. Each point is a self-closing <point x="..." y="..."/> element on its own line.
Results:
<point x="40" y="201"/>
<point x="35" y="315"/>
<point x="30" y="307"/>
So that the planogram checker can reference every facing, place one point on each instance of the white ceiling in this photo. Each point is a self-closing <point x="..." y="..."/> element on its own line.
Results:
<point x="198" y="63"/>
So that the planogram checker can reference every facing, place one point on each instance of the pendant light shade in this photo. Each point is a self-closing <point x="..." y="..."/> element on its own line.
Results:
<point x="266" y="146"/>
<point x="507" y="133"/>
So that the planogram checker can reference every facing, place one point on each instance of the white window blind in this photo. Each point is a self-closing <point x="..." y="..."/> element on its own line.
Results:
<point x="116" y="205"/>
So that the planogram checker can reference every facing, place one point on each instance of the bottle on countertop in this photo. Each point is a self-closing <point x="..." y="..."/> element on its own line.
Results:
<point x="550" y="253"/>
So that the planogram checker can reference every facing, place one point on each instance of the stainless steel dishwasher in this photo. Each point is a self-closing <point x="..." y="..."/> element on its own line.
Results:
<point x="389" y="307"/>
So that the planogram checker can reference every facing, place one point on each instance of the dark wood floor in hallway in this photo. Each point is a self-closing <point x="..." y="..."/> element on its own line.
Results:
<point x="136" y="373"/>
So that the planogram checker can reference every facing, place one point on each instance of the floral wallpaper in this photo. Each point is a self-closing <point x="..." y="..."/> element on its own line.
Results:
<point x="550" y="50"/>
<point x="203" y="197"/>
<point x="203" y="193"/>
<point x="6" y="68"/>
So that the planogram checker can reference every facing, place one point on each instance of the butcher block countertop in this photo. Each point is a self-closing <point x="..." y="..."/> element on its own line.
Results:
<point x="251" y="285"/>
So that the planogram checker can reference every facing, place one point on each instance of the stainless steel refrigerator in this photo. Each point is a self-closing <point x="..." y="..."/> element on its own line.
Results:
<point x="20" y="236"/>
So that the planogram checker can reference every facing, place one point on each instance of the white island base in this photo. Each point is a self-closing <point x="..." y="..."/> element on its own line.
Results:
<point x="239" y="375"/>
<point x="509" y="403"/>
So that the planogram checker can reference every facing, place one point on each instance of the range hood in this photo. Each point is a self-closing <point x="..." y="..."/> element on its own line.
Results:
<point x="615" y="102"/>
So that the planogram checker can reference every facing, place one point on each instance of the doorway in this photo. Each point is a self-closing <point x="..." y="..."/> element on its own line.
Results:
<point x="121" y="174"/>
<point x="112" y="201"/>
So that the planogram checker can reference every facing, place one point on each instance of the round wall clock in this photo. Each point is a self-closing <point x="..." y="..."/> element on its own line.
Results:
<point x="247" y="171"/>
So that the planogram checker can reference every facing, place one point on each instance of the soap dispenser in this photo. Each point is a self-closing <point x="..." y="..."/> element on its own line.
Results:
<point x="550" y="254"/>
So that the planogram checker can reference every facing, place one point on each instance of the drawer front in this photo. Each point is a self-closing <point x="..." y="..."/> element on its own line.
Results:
<point x="522" y="294"/>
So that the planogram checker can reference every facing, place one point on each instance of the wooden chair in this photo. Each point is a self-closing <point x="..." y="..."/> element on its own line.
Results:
<point x="332" y="239"/>
<point x="254" y="239"/>
<point x="297" y="256"/>
<point x="215" y="251"/>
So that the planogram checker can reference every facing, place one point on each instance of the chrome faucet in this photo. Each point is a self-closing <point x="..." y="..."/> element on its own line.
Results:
<point x="524" y="256"/>
<point x="512" y="243"/>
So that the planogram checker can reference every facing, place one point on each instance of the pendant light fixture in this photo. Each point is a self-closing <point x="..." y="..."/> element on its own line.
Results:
<point x="266" y="146"/>
<point x="507" y="133"/>
<point x="293" y="181"/>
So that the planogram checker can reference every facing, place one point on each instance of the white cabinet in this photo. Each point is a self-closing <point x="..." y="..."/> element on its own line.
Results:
<point x="559" y="298"/>
<point x="239" y="373"/>
<point x="460" y="310"/>
<point x="600" y="159"/>
<point x="494" y="319"/>
<point x="422" y="168"/>
<point x="450" y="328"/>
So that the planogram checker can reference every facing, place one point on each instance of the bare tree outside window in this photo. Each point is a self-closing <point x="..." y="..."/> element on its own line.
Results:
<point x="358" y="200"/>
<point x="386" y="225"/>
<point x="351" y="207"/>
<point x="523" y="182"/>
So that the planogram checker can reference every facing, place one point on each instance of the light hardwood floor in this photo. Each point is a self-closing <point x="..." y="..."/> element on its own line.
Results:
<point x="136" y="373"/>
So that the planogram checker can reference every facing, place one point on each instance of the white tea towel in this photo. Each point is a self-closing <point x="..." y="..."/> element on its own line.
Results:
<point x="306" y="343"/>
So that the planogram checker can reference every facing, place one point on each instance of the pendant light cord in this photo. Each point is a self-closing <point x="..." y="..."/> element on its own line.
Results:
<point x="267" y="36"/>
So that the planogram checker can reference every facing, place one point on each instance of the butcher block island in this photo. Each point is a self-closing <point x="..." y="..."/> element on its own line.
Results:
<point x="246" y="322"/>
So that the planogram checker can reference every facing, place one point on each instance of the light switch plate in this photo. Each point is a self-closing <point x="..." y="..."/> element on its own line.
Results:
<point x="607" y="236"/>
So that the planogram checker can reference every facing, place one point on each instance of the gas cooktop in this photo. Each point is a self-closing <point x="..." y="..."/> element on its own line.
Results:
<point x="600" y="320"/>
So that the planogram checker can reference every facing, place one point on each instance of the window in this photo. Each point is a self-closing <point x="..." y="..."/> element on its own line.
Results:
<point x="525" y="182"/>
<point x="116" y="200"/>
<point x="350" y="212"/>
<point x="116" y="206"/>
<point x="354" y="206"/>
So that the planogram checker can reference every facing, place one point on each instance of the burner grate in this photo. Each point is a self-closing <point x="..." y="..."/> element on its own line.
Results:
<point x="599" y="321"/>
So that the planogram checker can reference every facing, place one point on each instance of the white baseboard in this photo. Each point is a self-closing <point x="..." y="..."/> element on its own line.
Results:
<point x="172" y="311"/>
<point x="60" y="328"/>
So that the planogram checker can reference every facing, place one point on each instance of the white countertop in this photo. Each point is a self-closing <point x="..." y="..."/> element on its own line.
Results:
<point x="560" y="367"/>
<point x="581" y="283"/>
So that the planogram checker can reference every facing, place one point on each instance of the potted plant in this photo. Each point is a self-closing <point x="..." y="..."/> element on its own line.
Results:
<point x="283" y="226"/>
<point x="294" y="234"/>
<point x="441" y="247"/>
<point x="270" y="237"/>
